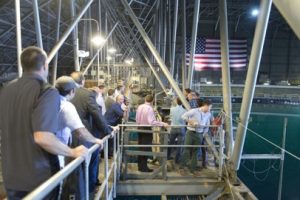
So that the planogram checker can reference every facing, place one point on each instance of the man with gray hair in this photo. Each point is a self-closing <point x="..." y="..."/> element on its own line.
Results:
<point x="28" y="122"/>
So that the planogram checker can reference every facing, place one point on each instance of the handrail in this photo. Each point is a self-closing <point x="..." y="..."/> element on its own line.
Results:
<point x="46" y="187"/>
<point x="170" y="126"/>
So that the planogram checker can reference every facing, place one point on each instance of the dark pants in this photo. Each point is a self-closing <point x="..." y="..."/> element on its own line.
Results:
<point x="94" y="170"/>
<point x="16" y="195"/>
<point x="144" y="138"/>
<point x="179" y="134"/>
<point x="191" y="138"/>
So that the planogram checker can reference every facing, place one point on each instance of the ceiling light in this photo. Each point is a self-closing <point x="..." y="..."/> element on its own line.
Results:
<point x="108" y="58"/>
<point x="112" y="50"/>
<point x="254" y="12"/>
<point x="98" y="40"/>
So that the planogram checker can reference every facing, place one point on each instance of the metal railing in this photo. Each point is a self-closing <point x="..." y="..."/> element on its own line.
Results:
<point x="45" y="188"/>
<point x="217" y="150"/>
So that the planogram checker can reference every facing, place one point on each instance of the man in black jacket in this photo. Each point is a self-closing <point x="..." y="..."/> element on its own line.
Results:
<point x="91" y="115"/>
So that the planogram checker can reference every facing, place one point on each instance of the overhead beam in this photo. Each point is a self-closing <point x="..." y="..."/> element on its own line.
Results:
<point x="156" y="54"/>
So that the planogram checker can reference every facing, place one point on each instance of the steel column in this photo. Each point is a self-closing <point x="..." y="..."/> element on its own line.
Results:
<point x="282" y="158"/>
<point x="183" y="47"/>
<point x="18" y="36"/>
<point x="164" y="14"/>
<point x="37" y="24"/>
<point x="54" y="68"/>
<point x="156" y="54"/>
<point x="67" y="32"/>
<point x="256" y="52"/>
<point x="193" y="42"/>
<point x="75" y="37"/>
<point x="174" y="38"/>
<point x="226" y="83"/>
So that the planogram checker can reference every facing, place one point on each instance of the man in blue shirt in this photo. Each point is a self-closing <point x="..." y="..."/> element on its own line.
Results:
<point x="177" y="132"/>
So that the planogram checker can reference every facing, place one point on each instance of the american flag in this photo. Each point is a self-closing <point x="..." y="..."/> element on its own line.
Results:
<point x="208" y="54"/>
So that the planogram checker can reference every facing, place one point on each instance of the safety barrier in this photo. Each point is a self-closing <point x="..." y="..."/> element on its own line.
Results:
<point x="45" y="188"/>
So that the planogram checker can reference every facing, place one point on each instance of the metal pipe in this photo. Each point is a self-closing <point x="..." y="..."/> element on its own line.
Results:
<point x="67" y="32"/>
<point x="92" y="60"/>
<point x="183" y="48"/>
<point x="54" y="68"/>
<point x="156" y="55"/>
<point x="256" y="52"/>
<point x="164" y="12"/>
<point x="86" y="174"/>
<point x="226" y="83"/>
<point x="193" y="43"/>
<point x="174" y="38"/>
<point x="282" y="158"/>
<point x="18" y="36"/>
<point x="75" y="37"/>
<point x="37" y="24"/>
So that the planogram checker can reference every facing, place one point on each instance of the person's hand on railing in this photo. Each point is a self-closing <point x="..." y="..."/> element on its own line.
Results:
<point x="166" y="125"/>
<point x="100" y="142"/>
<point x="192" y="123"/>
<point x="114" y="131"/>
<point x="79" y="151"/>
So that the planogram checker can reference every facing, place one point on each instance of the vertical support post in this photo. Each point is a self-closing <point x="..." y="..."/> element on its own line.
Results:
<point x="108" y="71"/>
<point x="18" y="36"/>
<point x="164" y="14"/>
<point x="86" y="174"/>
<point x="106" y="167"/>
<point x="174" y="38"/>
<point x="100" y="26"/>
<point x="183" y="61"/>
<point x="256" y="52"/>
<point x="98" y="67"/>
<point x="221" y="149"/>
<point x="193" y="42"/>
<point x="282" y="158"/>
<point x="75" y="37"/>
<point x="115" y="167"/>
<point x="226" y="88"/>
<point x="156" y="54"/>
<point x="37" y="23"/>
<point x="54" y="68"/>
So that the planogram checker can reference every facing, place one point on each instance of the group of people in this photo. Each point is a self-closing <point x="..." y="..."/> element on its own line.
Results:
<point x="43" y="127"/>
<point x="188" y="128"/>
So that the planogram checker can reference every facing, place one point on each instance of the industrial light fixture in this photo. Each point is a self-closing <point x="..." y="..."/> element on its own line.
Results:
<point x="209" y="82"/>
<point x="129" y="61"/>
<point x="112" y="50"/>
<point x="108" y="58"/>
<point x="98" y="40"/>
<point x="254" y="12"/>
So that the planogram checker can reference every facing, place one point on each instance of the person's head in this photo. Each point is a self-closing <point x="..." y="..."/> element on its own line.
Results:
<point x="120" y="99"/>
<point x="191" y="96"/>
<point x="78" y="77"/>
<point x="120" y="86"/>
<point x="101" y="88"/>
<point x="149" y="98"/>
<point x="66" y="87"/>
<point x="187" y="91"/>
<point x="110" y="92"/>
<point x="206" y="105"/>
<point x="178" y="101"/>
<point x="34" y="59"/>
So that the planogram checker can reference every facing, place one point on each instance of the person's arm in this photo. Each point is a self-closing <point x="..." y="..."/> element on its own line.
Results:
<point x="97" y="116"/>
<point x="152" y="120"/>
<point x="187" y="115"/>
<point x="50" y="143"/>
<point x="87" y="136"/>
<point x="118" y="110"/>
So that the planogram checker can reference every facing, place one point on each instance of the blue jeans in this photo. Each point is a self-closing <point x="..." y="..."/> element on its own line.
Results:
<point x="178" y="133"/>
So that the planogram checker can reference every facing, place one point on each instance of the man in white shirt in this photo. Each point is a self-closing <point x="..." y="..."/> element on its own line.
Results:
<point x="69" y="120"/>
<point x="198" y="120"/>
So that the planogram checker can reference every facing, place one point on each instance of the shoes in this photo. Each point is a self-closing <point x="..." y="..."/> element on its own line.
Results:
<point x="196" y="173"/>
<point x="183" y="172"/>
<point x="98" y="183"/>
<point x="204" y="165"/>
<point x="146" y="170"/>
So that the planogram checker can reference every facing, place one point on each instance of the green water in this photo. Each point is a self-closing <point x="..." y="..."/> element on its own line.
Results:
<point x="264" y="183"/>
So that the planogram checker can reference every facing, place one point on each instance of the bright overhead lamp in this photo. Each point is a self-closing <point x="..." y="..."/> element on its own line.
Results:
<point x="108" y="58"/>
<point x="98" y="40"/>
<point x="254" y="12"/>
<point x="129" y="61"/>
<point x="112" y="50"/>
<point x="209" y="82"/>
